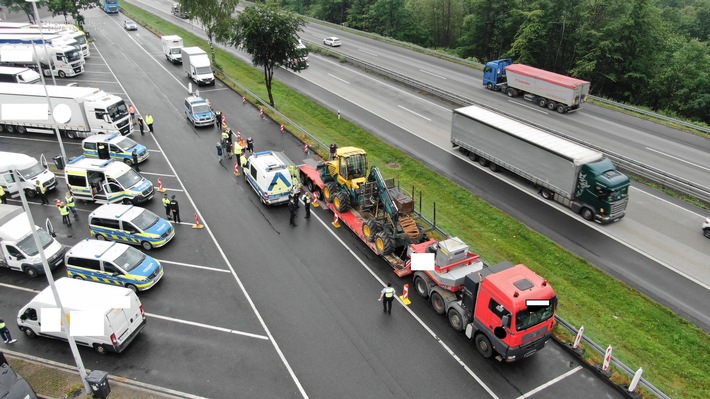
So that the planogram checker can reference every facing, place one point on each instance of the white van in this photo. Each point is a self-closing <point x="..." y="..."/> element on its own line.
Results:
<point x="267" y="173"/>
<point x="19" y="75"/>
<point x="29" y="170"/>
<point x="17" y="246"/>
<point x="107" y="181"/>
<point x="122" y="313"/>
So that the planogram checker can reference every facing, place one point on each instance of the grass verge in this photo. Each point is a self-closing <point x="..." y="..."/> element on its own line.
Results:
<point x="674" y="354"/>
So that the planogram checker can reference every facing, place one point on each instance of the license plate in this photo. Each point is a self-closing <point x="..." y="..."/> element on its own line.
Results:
<point x="530" y="353"/>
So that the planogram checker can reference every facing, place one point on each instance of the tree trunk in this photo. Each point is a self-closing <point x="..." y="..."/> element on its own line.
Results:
<point x="267" y="79"/>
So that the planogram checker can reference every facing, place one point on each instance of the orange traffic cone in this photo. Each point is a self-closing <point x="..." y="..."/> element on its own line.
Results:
<point x="335" y="221"/>
<point x="236" y="169"/>
<point x="197" y="224"/>
<point x="161" y="189"/>
<point x="405" y="295"/>
<point x="315" y="201"/>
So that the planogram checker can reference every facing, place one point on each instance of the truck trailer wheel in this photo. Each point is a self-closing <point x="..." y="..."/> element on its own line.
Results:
<point x="21" y="130"/>
<point x="494" y="167"/>
<point x="421" y="286"/>
<point x="437" y="302"/>
<point x="483" y="161"/>
<point x="483" y="344"/>
<point x="10" y="129"/>
<point x="551" y="105"/>
<point x="370" y="229"/>
<point x="542" y="102"/>
<point x="455" y="319"/>
<point x="587" y="214"/>
<point x="511" y="92"/>
<point x="2" y="128"/>
<point x="71" y="134"/>
<point x="561" y="108"/>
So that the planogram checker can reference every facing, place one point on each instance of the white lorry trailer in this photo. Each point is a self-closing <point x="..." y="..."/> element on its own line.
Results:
<point x="544" y="88"/>
<point x="66" y="30"/>
<point x="90" y="111"/>
<point x="172" y="48"/>
<point x="17" y="246"/>
<point x="196" y="64"/>
<point x="66" y="60"/>
<point x="575" y="176"/>
<point x="29" y="170"/>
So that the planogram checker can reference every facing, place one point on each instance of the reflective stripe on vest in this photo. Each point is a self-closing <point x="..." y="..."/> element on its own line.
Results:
<point x="63" y="210"/>
<point x="389" y="292"/>
<point x="166" y="202"/>
<point x="70" y="201"/>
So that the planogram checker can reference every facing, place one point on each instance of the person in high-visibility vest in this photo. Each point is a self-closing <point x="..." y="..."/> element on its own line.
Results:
<point x="6" y="333"/>
<point x="238" y="151"/>
<point x="71" y="204"/>
<point x="388" y="294"/>
<point x="149" y="122"/>
<point x="166" y="204"/>
<point x="41" y="192"/>
<point x="64" y="211"/>
<point x="307" y="202"/>
<point x="3" y="196"/>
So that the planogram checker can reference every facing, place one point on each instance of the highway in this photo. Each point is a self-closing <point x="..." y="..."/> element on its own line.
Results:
<point x="249" y="301"/>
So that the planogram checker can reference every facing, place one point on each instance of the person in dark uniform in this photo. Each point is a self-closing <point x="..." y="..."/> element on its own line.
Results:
<point x="250" y="145"/>
<point x="134" y="155"/>
<point x="218" y="119"/>
<point x="387" y="294"/>
<point x="333" y="149"/>
<point x="292" y="211"/>
<point x="141" y="125"/>
<point x="175" y="209"/>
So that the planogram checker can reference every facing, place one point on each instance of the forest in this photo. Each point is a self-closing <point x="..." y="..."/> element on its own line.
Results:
<point x="648" y="53"/>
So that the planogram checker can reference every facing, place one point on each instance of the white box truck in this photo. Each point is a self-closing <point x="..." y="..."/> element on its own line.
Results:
<point x="29" y="170"/>
<point x="196" y="64"/>
<point x="575" y="176"/>
<point x="118" y="310"/>
<point x="172" y="48"/>
<point x="66" y="60"/>
<point x="17" y="246"/>
<point x="19" y="75"/>
<point x="85" y="110"/>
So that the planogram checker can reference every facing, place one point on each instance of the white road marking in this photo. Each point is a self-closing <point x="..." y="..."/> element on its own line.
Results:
<point x="153" y="151"/>
<point x="335" y="77"/>
<point x="433" y="74"/>
<point x="209" y="327"/>
<point x="157" y="174"/>
<point x="42" y="140"/>
<point x="368" y="52"/>
<point x="678" y="159"/>
<point x="191" y="265"/>
<point x="18" y="288"/>
<point x="547" y="384"/>
<point x="419" y="115"/>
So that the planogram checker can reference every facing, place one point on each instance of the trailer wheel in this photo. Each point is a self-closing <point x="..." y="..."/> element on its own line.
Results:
<point x="494" y="167"/>
<point x="421" y="286"/>
<point x="490" y="86"/>
<point x="546" y="194"/>
<point x="455" y="319"/>
<point x="384" y="243"/>
<point x="329" y="191"/>
<point x="483" y="161"/>
<point x="341" y="200"/>
<point x="62" y="74"/>
<point x="21" y="130"/>
<point x="473" y="156"/>
<point x="10" y="129"/>
<point x="310" y="185"/>
<point x="551" y="105"/>
<point x="587" y="214"/>
<point x="483" y="344"/>
<point x="437" y="302"/>
<point x="71" y="134"/>
<point x="561" y="108"/>
<point x="370" y="229"/>
<point x="2" y="128"/>
<point x="542" y="102"/>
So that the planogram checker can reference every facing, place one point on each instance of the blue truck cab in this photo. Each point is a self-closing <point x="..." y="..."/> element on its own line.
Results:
<point x="198" y="111"/>
<point x="494" y="73"/>
<point x="113" y="263"/>
<point x="113" y="146"/>
<point x="130" y="225"/>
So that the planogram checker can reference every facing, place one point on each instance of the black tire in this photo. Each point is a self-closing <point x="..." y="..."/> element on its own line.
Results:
<point x="494" y="167"/>
<point x="132" y="287"/>
<point x="62" y="74"/>
<point x="510" y="92"/>
<point x="490" y="86"/>
<point x="100" y="349"/>
<point x="2" y="128"/>
<point x="77" y="277"/>
<point x="546" y="194"/>
<point x="303" y="179"/>
<point x="473" y="156"/>
<point x="437" y="302"/>
<point x="706" y="233"/>
<point x="483" y="344"/>
<point x="421" y="286"/>
<point x="30" y="193"/>
<point x="370" y="229"/>
<point x="310" y="185"/>
<point x="384" y="243"/>
<point x="551" y="105"/>
<point x="31" y="271"/>
<point x="100" y="237"/>
<point x="542" y="102"/>
<point x="483" y="161"/>
<point x="71" y="134"/>
<point x="146" y="245"/>
<point x="21" y="130"/>
<point x="587" y="214"/>
<point x="128" y="161"/>
<point x="561" y="108"/>
<point x="329" y="191"/>
<point x="10" y="129"/>
<point x="29" y="332"/>
<point x="455" y="319"/>
<point x="341" y="201"/>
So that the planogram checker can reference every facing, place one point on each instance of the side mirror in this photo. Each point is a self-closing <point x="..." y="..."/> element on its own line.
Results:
<point x="106" y="118"/>
<point x="505" y="321"/>
<point x="23" y="317"/>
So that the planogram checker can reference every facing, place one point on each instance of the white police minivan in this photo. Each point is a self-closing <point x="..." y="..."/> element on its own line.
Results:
<point x="268" y="174"/>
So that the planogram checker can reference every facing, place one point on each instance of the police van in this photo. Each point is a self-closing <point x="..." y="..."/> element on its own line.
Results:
<point x="198" y="111"/>
<point x="113" y="263"/>
<point x="130" y="225"/>
<point x="113" y="146"/>
<point x="267" y="173"/>
<point x="107" y="181"/>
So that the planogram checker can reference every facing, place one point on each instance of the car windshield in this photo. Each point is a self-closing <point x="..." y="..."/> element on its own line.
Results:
<point x="129" y="179"/>
<point x="201" y="109"/>
<point x="28" y="247"/>
<point x="31" y="172"/>
<point x="117" y="111"/>
<point x="126" y="144"/>
<point x="534" y="315"/>
<point x="203" y="70"/>
<point x="130" y="259"/>
<point x="145" y="220"/>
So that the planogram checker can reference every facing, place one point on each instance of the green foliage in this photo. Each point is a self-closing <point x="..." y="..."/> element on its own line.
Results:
<point x="72" y="8"/>
<point x="23" y="6"/>
<point x="214" y="15"/>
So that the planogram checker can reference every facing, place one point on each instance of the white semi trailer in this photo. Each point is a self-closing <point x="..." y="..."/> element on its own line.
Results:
<point x="77" y="111"/>
<point x="66" y="60"/>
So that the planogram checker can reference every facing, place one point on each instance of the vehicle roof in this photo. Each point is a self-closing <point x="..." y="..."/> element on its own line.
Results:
<point x="195" y="100"/>
<point x="80" y="294"/>
<point x="103" y="138"/>
<point x="506" y="277"/>
<point x="194" y="50"/>
<point x="7" y="69"/>
<point x="567" y="149"/>
<point x="97" y="249"/>
<point x="20" y="161"/>
<point x="547" y="76"/>
<point x="107" y="165"/>
<point x="270" y="160"/>
<point x="117" y="211"/>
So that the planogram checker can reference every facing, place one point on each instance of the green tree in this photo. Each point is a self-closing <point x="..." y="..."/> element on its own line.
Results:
<point x="334" y="11"/>
<point x="214" y="15"/>
<point x="268" y="34"/>
<point x="441" y="19"/>
<point x="357" y="15"/>
<point x="489" y="29"/>
<point x="23" y="6"/>
<point x="72" y="8"/>
<point x="393" y="19"/>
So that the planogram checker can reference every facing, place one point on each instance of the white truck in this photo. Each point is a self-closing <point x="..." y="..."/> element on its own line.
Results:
<point x="17" y="246"/>
<point x="66" y="60"/>
<point x="172" y="48"/>
<point x="544" y="88"/>
<point x="67" y="30"/>
<point x="78" y="111"/>
<point x="19" y="75"/>
<point x="29" y="170"/>
<point x="196" y="64"/>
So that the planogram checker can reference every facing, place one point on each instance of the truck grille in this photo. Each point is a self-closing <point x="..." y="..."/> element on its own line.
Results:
<point x="617" y="208"/>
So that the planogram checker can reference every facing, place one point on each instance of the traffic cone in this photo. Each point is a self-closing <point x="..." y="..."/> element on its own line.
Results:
<point x="236" y="169"/>
<point x="244" y="100"/>
<point x="336" y="220"/>
<point x="161" y="189"/>
<point x="261" y="113"/>
<point x="315" y="201"/>
<point x="405" y="295"/>
<point x="197" y="224"/>
<point x="305" y="148"/>
<point x="282" y="128"/>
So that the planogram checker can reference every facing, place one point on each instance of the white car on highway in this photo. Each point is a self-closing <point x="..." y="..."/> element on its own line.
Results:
<point x="706" y="227"/>
<point x="332" y="41"/>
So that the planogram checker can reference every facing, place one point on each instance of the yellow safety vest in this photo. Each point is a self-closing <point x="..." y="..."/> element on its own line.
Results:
<point x="149" y="119"/>
<point x="166" y="202"/>
<point x="70" y="201"/>
<point x="2" y="325"/>
<point x="41" y="188"/>
<point x="389" y="292"/>
<point x="2" y="191"/>
<point x="63" y="210"/>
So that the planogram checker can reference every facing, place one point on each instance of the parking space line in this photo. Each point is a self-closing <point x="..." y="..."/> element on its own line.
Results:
<point x="194" y="266"/>
<point x="43" y="140"/>
<point x="547" y="384"/>
<point x="222" y="329"/>
<point x="158" y="174"/>
<point x="18" y="288"/>
<point x="153" y="150"/>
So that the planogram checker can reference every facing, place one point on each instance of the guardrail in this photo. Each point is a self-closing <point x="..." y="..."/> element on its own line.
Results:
<point x="624" y="163"/>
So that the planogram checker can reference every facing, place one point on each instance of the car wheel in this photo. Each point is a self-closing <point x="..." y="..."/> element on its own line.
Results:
<point x="78" y="277"/>
<point x="62" y="74"/>
<point x="146" y="245"/>
<point x="100" y="349"/>
<point x="31" y="271"/>
<point x="29" y="332"/>
<point x="706" y="233"/>
<point x="100" y="237"/>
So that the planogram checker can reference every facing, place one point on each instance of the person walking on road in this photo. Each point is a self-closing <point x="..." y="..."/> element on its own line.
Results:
<point x="64" y="211"/>
<point x="218" y="119"/>
<point x="41" y="192"/>
<point x="141" y="126"/>
<point x="132" y="111"/>
<point x="71" y="204"/>
<point x="292" y="211"/>
<point x="387" y="294"/>
<point x="175" y="209"/>
<point x="6" y="333"/>
<point x="3" y="196"/>
<point x="149" y="122"/>
<point x="250" y="145"/>
<point x="166" y="204"/>
<point x="238" y="150"/>
<point x="134" y="157"/>
<point x="307" y="205"/>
